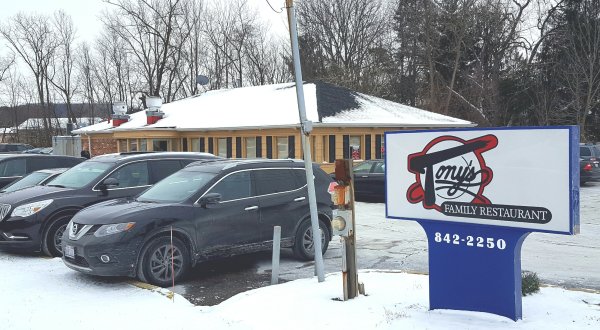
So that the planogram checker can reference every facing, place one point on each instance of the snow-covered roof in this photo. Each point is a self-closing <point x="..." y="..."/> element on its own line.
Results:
<point x="276" y="106"/>
<point x="33" y="123"/>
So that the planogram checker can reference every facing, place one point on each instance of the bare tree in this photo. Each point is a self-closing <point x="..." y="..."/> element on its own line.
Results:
<point x="344" y="31"/>
<point x="33" y="39"/>
<point x="5" y="64"/>
<point x="582" y="67"/>
<point x="153" y="33"/>
<point x="63" y="61"/>
<point x="12" y="95"/>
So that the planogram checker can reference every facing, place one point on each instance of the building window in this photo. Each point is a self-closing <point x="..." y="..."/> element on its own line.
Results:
<point x="122" y="145"/>
<point x="282" y="147"/>
<point x="160" y="145"/>
<point x="143" y="145"/>
<point x="133" y="145"/>
<point x="355" y="147"/>
<point x="195" y="145"/>
<point x="222" y="147"/>
<point x="251" y="147"/>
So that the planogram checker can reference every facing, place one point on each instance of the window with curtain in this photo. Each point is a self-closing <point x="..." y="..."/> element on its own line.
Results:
<point x="282" y="147"/>
<point x="355" y="147"/>
<point x="222" y="147"/>
<point x="251" y="147"/>
<point x="160" y="145"/>
<point x="195" y="144"/>
<point x="143" y="145"/>
<point x="133" y="145"/>
<point x="122" y="145"/>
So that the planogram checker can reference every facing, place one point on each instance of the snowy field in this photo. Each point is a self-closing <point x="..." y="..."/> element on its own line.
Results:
<point x="41" y="293"/>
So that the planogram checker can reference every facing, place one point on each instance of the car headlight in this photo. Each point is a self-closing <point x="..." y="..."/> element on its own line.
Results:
<point x="30" y="209"/>
<point x="114" y="228"/>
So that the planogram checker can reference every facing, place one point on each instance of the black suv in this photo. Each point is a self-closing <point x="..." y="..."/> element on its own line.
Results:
<point x="207" y="210"/>
<point x="14" y="147"/>
<point x="34" y="218"/>
<point x="15" y="166"/>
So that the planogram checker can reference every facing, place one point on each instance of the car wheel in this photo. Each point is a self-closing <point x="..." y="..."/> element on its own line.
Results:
<point x="161" y="260"/>
<point x="304" y="248"/>
<point x="52" y="241"/>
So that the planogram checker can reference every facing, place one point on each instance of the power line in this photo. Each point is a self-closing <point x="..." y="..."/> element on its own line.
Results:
<point x="278" y="12"/>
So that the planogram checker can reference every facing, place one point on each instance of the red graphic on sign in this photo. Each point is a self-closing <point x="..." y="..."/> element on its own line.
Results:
<point x="451" y="169"/>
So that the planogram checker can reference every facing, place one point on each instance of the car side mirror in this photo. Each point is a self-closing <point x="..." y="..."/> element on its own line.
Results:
<point x="110" y="183"/>
<point x="209" y="199"/>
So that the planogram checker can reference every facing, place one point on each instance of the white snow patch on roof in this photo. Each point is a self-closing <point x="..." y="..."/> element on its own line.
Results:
<point x="274" y="105"/>
<point x="375" y="110"/>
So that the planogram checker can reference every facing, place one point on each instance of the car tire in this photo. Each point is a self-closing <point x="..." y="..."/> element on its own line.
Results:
<point x="303" y="246"/>
<point x="156" y="261"/>
<point x="52" y="239"/>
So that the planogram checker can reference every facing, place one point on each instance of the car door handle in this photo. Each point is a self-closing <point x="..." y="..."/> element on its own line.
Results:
<point x="299" y="199"/>
<point x="250" y="208"/>
<point x="364" y="176"/>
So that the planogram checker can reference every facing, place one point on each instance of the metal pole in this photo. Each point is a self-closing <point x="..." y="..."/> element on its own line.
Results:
<point x="275" y="258"/>
<point x="312" y="200"/>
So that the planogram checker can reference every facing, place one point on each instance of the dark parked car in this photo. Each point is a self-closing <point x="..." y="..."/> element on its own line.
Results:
<point x="589" y="151"/>
<point x="14" y="147"/>
<point x="45" y="151"/>
<point x="34" y="218"/>
<point x="589" y="170"/>
<point x="14" y="166"/>
<point x="369" y="181"/>
<point x="36" y="178"/>
<point x="213" y="209"/>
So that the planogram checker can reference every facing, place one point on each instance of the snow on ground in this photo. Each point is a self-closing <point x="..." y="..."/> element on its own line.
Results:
<point x="43" y="293"/>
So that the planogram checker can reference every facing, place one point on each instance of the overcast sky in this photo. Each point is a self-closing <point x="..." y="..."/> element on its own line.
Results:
<point x="85" y="13"/>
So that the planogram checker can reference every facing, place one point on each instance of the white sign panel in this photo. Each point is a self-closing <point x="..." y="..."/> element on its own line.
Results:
<point x="511" y="177"/>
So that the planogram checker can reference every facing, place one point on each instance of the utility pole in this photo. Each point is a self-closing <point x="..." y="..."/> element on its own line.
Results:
<point x="306" y="128"/>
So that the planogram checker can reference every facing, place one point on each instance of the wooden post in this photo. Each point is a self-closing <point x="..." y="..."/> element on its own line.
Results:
<point x="345" y="177"/>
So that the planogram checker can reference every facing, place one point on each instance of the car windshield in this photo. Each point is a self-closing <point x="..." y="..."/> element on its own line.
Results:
<point x="176" y="188"/>
<point x="81" y="174"/>
<point x="27" y="181"/>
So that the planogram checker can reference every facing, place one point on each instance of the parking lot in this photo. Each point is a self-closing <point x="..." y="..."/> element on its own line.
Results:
<point x="569" y="261"/>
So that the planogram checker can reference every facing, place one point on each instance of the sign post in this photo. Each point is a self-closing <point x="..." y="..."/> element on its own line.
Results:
<point x="478" y="193"/>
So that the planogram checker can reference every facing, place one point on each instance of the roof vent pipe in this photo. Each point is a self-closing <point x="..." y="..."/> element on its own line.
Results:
<point x="119" y="113"/>
<point x="153" y="114"/>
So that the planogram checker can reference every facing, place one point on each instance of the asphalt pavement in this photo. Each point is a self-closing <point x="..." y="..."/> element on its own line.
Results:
<point x="563" y="260"/>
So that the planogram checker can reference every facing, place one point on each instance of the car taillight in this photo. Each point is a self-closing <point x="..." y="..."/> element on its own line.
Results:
<point x="587" y="167"/>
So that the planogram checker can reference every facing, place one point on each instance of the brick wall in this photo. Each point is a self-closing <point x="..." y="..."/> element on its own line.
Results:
<point x="100" y="145"/>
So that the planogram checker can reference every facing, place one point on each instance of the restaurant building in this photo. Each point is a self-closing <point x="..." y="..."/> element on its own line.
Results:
<point x="263" y="121"/>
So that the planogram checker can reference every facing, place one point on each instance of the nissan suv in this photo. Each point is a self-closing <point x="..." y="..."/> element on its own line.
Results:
<point x="211" y="209"/>
<point x="35" y="218"/>
<point x="15" y="166"/>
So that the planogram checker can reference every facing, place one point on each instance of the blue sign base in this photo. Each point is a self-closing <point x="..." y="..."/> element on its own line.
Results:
<point x="475" y="267"/>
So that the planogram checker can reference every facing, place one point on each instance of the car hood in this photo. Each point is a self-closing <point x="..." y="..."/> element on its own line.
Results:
<point x="32" y="194"/>
<point x="121" y="210"/>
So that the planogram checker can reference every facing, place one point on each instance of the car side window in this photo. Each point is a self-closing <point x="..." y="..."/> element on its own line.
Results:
<point x="163" y="168"/>
<point x="132" y="175"/>
<point x="234" y="186"/>
<point x="40" y="163"/>
<point x="584" y="151"/>
<point x="379" y="168"/>
<point x="13" y="167"/>
<point x="363" y="168"/>
<point x="272" y="181"/>
<point x="300" y="176"/>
